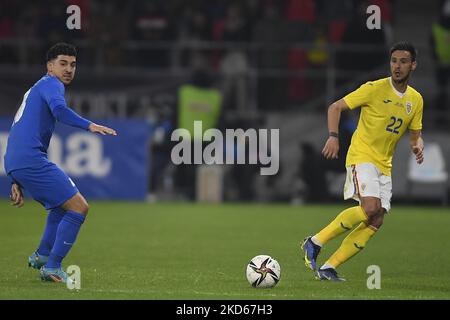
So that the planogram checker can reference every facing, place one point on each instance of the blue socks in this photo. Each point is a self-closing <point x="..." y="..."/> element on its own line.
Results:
<point x="65" y="237"/>
<point x="48" y="239"/>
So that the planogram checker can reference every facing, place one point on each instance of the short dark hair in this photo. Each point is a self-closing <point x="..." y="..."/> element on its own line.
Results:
<point x="406" y="46"/>
<point x="61" y="48"/>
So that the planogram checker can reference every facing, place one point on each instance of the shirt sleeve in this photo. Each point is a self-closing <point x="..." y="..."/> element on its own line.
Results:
<point x="360" y="96"/>
<point x="416" y="122"/>
<point x="53" y="94"/>
<point x="68" y="116"/>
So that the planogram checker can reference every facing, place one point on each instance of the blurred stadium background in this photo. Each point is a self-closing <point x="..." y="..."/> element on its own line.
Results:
<point x="261" y="63"/>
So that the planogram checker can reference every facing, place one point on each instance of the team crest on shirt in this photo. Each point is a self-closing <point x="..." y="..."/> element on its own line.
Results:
<point x="408" y="107"/>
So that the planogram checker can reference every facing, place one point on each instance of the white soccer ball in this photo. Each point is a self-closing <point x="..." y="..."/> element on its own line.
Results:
<point x="263" y="272"/>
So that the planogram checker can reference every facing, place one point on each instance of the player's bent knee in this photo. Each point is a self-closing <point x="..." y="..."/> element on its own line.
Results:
<point x="83" y="206"/>
<point x="372" y="210"/>
<point x="376" y="220"/>
<point x="77" y="204"/>
<point x="85" y="209"/>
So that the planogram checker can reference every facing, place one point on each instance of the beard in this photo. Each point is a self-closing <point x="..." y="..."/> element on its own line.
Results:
<point x="403" y="80"/>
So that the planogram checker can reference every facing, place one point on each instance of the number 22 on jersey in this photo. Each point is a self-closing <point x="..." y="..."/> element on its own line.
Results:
<point x="394" y="125"/>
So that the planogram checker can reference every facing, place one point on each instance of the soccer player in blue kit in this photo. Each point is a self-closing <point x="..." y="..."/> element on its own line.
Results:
<point x="27" y="164"/>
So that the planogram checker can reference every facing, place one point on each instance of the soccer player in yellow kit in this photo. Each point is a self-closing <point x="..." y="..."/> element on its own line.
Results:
<point x="389" y="107"/>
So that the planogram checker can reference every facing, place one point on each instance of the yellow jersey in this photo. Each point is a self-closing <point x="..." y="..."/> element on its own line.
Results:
<point x="385" y="115"/>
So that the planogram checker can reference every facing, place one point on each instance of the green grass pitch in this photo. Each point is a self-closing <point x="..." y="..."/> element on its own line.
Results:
<point x="193" y="251"/>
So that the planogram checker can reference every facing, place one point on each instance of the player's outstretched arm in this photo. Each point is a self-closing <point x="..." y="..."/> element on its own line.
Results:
<point x="416" y="144"/>
<point x="95" y="128"/>
<point x="16" y="196"/>
<point x="331" y="148"/>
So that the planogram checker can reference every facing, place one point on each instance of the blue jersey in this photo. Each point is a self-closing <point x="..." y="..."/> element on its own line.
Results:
<point x="34" y="123"/>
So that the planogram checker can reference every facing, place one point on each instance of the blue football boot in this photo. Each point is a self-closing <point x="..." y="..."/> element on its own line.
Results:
<point x="37" y="260"/>
<point x="311" y="251"/>
<point x="54" y="274"/>
<point x="329" y="274"/>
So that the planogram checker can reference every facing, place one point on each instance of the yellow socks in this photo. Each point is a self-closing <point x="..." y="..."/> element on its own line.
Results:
<point x="352" y="244"/>
<point x="343" y="222"/>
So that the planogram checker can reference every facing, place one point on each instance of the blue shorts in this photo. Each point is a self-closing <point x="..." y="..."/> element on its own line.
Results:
<point x="48" y="184"/>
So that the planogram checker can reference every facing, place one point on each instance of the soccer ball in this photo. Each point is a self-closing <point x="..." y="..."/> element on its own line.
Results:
<point x="263" y="272"/>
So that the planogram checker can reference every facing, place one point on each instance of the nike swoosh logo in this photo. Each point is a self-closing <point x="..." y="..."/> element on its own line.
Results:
<point x="346" y="228"/>
<point x="69" y="244"/>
